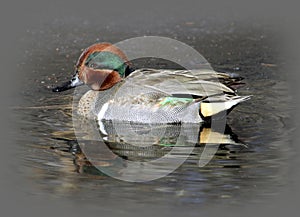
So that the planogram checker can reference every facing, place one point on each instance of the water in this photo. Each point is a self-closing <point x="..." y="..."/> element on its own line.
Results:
<point x="236" y="175"/>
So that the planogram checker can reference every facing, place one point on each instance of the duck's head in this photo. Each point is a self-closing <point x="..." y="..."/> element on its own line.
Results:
<point x="100" y="66"/>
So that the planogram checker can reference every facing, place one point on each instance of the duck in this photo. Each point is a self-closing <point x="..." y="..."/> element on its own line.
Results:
<point x="119" y="92"/>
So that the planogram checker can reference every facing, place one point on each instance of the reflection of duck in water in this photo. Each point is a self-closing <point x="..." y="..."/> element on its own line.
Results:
<point x="116" y="144"/>
<point x="148" y="95"/>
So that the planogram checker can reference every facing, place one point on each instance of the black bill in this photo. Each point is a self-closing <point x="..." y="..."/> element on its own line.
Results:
<point x="74" y="82"/>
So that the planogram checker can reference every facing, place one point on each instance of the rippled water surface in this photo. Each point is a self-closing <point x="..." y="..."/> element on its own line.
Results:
<point x="251" y="172"/>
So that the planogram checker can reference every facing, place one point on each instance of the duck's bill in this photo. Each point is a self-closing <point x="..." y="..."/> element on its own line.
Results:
<point x="74" y="82"/>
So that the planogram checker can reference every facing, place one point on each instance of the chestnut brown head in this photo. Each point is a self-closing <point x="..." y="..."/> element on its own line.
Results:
<point x="100" y="66"/>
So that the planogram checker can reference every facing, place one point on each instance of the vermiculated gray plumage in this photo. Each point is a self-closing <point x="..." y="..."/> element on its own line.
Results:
<point x="138" y="97"/>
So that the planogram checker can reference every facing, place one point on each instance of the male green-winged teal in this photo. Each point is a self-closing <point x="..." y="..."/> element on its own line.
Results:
<point x="148" y="95"/>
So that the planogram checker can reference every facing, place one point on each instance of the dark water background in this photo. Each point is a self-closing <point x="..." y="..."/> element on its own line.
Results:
<point x="234" y="177"/>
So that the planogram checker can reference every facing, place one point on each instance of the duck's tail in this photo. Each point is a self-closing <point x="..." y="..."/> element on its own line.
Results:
<point x="212" y="107"/>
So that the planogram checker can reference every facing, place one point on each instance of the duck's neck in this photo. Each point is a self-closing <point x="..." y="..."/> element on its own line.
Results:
<point x="111" y="80"/>
<point x="114" y="78"/>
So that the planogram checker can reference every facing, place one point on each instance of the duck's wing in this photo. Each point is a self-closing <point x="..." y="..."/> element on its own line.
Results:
<point x="183" y="82"/>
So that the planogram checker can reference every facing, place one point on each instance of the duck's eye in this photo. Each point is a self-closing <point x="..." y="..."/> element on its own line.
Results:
<point x="93" y="65"/>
